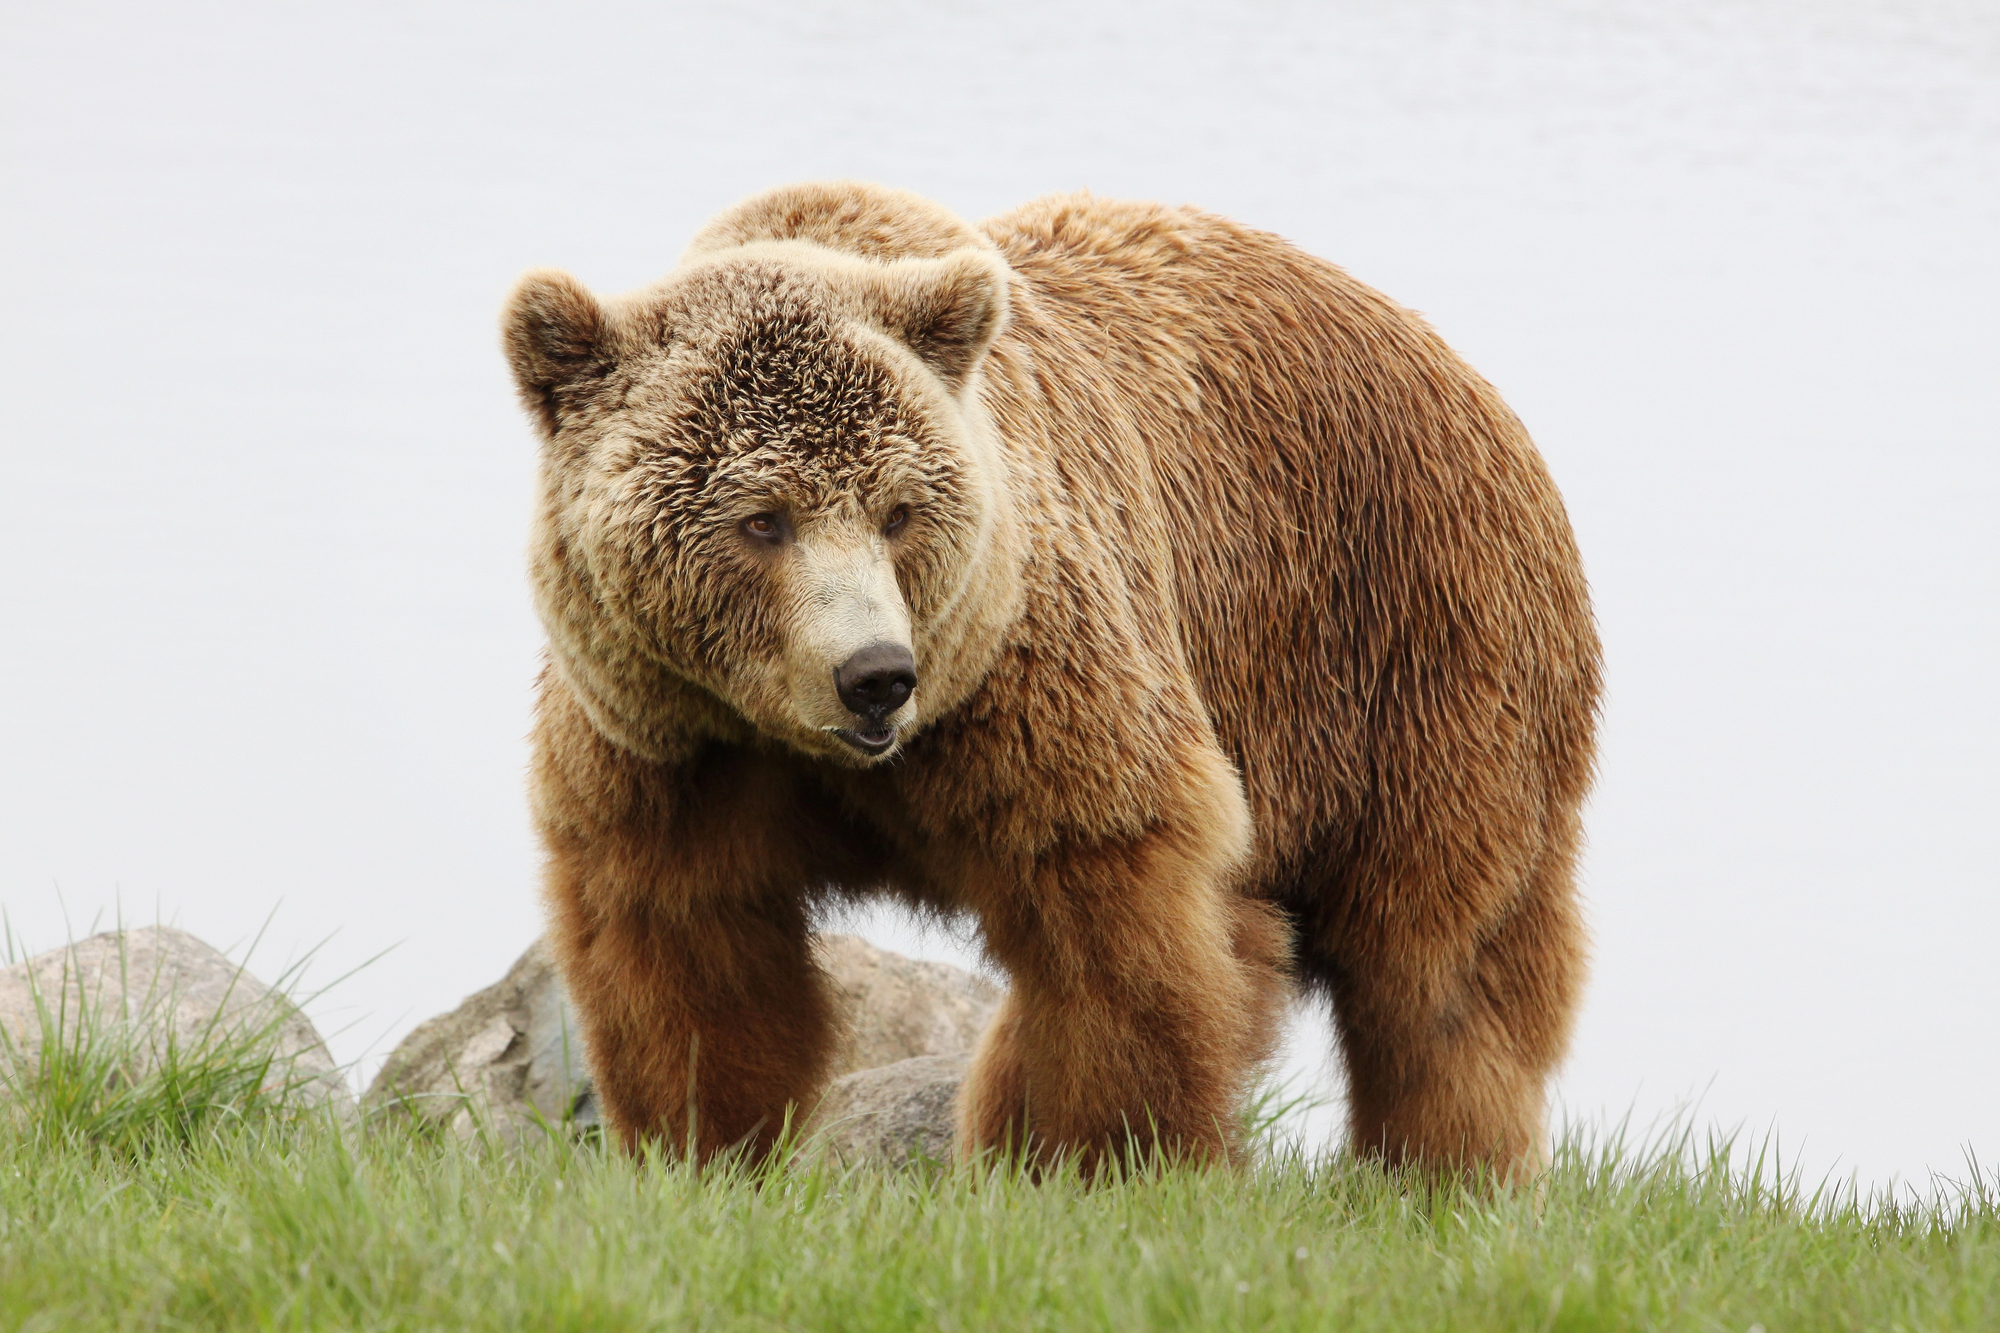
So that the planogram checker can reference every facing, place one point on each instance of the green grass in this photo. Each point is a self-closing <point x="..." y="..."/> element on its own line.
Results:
<point x="205" y="1203"/>
<point x="100" y="1082"/>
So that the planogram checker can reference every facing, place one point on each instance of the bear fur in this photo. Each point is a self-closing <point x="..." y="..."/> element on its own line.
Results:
<point x="1235" y="639"/>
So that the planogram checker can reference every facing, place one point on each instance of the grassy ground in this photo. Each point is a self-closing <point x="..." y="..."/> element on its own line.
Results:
<point x="188" y="1199"/>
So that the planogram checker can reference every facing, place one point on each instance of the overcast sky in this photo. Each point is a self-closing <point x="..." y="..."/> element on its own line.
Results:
<point x="264" y="491"/>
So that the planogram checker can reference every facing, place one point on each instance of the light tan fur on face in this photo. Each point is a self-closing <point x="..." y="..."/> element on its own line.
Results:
<point x="1253" y="650"/>
<point x="840" y="596"/>
<point x="617" y="539"/>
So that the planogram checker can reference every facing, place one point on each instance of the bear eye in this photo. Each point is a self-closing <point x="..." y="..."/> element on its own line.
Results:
<point x="897" y="518"/>
<point x="764" y="527"/>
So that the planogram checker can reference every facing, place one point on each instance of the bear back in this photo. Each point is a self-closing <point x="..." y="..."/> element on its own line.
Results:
<point x="853" y="217"/>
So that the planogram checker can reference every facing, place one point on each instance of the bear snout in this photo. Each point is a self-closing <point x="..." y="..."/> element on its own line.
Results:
<point x="876" y="681"/>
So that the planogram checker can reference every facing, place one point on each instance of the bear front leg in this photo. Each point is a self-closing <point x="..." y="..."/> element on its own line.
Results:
<point x="1145" y="995"/>
<point x="677" y="895"/>
<point x="706" y="1030"/>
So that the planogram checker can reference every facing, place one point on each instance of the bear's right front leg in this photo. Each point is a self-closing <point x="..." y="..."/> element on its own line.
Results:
<point x="677" y="897"/>
<point x="705" y="1029"/>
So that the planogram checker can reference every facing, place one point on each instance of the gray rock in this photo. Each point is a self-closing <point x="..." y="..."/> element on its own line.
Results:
<point x="895" y="1008"/>
<point x="896" y="1114"/>
<point x="138" y="989"/>
<point x="510" y="1057"/>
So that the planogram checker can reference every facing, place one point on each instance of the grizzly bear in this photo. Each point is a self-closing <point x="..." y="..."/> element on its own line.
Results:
<point x="1122" y="578"/>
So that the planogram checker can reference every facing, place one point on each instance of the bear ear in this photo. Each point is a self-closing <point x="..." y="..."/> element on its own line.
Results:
<point x="948" y="310"/>
<point x="557" y="341"/>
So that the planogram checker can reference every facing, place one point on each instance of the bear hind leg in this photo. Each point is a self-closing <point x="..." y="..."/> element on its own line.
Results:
<point x="1449" y="1044"/>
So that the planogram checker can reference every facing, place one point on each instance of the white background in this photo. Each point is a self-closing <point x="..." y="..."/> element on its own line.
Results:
<point x="265" y="651"/>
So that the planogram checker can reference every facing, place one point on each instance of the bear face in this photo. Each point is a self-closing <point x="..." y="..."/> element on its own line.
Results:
<point x="767" y="490"/>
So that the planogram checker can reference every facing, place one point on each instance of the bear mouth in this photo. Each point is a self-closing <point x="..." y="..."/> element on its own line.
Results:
<point x="876" y="739"/>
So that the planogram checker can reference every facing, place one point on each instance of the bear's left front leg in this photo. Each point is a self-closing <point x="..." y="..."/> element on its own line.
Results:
<point x="1145" y="994"/>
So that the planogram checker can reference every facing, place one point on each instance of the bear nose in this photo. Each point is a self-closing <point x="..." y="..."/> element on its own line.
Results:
<point x="875" y="681"/>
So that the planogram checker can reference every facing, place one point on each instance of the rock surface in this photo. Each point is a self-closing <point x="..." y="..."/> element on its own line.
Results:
<point x="510" y="1056"/>
<point x="895" y="1008"/>
<point x="136" y="987"/>
<point x="895" y="1114"/>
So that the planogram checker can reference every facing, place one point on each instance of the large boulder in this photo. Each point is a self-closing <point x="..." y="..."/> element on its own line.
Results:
<point x="507" y="1060"/>
<point x="895" y="1008"/>
<point x="132" y="993"/>
<point x="510" y="1060"/>
<point x="895" y="1114"/>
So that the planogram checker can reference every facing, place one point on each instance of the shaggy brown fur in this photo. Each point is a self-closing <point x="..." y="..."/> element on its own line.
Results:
<point x="1250" y="644"/>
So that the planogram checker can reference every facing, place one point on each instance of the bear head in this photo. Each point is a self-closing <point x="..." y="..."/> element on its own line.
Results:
<point x="772" y="507"/>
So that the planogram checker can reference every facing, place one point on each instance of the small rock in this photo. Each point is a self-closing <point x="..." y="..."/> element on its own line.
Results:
<point x="512" y="1055"/>
<point x="895" y="1114"/>
<point x="138" y="988"/>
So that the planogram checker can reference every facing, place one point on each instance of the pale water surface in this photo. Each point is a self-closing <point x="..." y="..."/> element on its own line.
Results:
<point x="263" y="487"/>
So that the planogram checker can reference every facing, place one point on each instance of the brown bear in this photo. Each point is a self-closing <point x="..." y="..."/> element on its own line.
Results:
<point x="1178" y="608"/>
